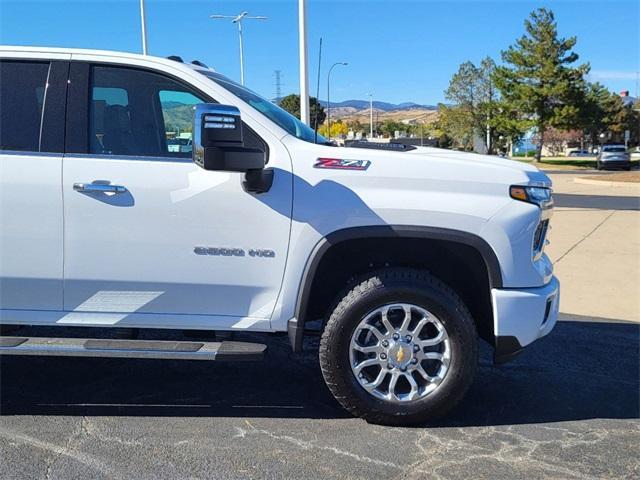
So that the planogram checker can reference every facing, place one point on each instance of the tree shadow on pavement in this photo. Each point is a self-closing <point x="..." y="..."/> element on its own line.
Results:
<point x="599" y="202"/>
<point x="583" y="370"/>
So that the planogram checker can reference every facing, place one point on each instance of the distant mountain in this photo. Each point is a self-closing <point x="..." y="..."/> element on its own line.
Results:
<point x="172" y="104"/>
<point x="177" y="115"/>
<point x="384" y="106"/>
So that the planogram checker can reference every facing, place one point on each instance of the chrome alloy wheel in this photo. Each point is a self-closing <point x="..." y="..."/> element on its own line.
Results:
<point x="400" y="352"/>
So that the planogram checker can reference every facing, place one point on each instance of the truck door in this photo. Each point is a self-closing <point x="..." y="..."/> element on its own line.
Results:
<point x="151" y="239"/>
<point x="32" y="96"/>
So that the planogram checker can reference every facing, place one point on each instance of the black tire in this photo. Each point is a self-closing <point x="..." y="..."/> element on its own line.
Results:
<point x="390" y="286"/>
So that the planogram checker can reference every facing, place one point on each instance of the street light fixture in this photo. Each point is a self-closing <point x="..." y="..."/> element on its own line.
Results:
<point x="238" y="19"/>
<point x="329" y="96"/>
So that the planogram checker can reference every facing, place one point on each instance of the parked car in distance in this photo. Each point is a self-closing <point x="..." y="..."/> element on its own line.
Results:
<point x="579" y="153"/>
<point x="179" y="145"/>
<point x="613" y="156"/>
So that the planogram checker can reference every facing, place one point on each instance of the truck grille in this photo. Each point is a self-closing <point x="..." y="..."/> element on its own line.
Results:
<point x="539" y="238"/>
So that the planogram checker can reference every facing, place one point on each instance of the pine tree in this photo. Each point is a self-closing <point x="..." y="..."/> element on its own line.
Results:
<point x="539" y="80"/>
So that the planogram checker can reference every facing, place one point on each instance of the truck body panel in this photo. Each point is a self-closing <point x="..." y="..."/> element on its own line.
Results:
<point x="187" y="248"/>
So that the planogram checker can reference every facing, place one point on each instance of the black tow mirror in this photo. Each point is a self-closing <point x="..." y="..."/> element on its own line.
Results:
<point x="218" y="141"/>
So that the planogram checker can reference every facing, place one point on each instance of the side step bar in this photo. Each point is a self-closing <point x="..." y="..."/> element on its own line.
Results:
<point x="160" y="349"/>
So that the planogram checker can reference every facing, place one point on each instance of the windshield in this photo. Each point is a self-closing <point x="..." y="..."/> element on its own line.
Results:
<point x="614" y="149"/>
<point x="270" y="110"/>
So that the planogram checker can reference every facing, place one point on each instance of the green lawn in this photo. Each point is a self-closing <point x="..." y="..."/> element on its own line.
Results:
<point x="565" y="163"/>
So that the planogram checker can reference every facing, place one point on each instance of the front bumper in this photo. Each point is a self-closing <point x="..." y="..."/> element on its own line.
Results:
<point x="521" y="316"/>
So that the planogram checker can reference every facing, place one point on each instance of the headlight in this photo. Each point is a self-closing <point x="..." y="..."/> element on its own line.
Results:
<point x="540" y="196"/>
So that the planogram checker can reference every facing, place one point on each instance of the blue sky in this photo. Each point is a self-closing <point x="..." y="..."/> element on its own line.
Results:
<point x="398" y="50"/>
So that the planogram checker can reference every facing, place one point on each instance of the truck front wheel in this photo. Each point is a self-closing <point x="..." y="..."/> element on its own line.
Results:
<point x="400" y="348"/>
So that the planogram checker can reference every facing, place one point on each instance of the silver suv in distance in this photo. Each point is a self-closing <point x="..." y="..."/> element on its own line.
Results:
<point x="613" y="156"/>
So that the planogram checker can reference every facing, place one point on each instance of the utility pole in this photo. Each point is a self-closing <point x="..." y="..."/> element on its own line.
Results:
<point x="304" y="77"/>
<point x="238" y="20"/>
<point x="370" y="115"/>
<point x="329" y="96"/>
<point x="278" y="84"/>
<point x="143" y="26"/>
<point x="315" y="120"/>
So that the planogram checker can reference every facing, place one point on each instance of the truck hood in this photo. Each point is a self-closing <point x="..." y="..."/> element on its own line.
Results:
<point x="451" y="165"/>
<point x="533" y="174"/>
<point x="435" y="168"/>
<point x="343" y="187"/>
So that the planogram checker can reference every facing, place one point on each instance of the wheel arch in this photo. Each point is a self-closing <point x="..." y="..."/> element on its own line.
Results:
<point x="383" y="232"/>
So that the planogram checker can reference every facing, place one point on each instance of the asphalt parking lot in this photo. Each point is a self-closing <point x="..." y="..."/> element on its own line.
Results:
<point x="566" y="408"/>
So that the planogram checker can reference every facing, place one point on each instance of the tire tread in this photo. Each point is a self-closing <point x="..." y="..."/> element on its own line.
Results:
<point x="334" y="326"/>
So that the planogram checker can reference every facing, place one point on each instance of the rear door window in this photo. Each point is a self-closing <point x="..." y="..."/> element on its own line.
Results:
<point x="23" y="95"/>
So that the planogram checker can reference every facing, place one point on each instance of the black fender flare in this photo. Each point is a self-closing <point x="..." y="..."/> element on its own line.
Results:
<point x="295" y="327"/>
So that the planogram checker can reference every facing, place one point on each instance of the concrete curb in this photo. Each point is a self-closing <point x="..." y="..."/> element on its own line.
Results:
<point x="605" y="183"/>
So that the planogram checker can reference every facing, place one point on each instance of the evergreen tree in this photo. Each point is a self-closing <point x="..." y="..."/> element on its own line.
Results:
<point x="291" y="103"/>
<point x="603" y="111"/>
<point x="539" y="80"/>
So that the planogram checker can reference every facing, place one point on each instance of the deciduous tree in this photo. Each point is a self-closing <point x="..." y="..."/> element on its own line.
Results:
<point x="475" y="100"/>
<point x="338" y="129"/>
<point x="457" y="124"/>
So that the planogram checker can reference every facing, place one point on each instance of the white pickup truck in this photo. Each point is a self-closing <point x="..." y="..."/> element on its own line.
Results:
<point x="408" y="256"/>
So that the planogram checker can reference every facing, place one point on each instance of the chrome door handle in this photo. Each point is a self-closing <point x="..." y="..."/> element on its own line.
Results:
<point x="98" y="188"/>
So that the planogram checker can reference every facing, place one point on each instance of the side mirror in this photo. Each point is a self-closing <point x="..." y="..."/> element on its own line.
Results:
<point x="218" y="142"/>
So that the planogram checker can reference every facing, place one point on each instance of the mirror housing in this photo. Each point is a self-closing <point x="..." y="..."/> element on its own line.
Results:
<point x="218" y="140"/>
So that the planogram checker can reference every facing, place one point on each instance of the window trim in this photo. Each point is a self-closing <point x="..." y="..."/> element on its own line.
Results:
<point x="137" y="158"/>
<point x="78" y="111"/>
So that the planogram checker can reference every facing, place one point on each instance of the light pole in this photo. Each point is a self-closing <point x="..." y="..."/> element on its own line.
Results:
<point x="329" y="96"/>
<point x="638" y="139"/>
<point x="238" y="19"/>
<point x="305" y="114"/>
<point x="370" y="115"/>
<point x="143" y="27"/>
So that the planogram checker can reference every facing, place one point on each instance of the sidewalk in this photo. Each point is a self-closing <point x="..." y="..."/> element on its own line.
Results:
<point x="595" y="247"/>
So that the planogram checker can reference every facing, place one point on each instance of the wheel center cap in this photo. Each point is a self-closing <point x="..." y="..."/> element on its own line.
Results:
<point x="400" y="354"/>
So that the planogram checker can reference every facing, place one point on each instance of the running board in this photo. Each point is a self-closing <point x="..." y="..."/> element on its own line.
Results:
<point x="160" y="349"/>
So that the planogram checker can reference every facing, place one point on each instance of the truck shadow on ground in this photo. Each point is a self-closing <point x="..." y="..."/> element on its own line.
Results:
<point x="583" y="370"/>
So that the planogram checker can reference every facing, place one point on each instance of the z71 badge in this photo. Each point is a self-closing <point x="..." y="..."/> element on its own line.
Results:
<point x="342" y="164"/>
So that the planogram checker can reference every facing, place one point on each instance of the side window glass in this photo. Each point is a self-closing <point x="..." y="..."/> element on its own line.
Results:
<point x="139" y="113"/>
<point x="106" y="104"/>
<point x="177" y="113"/>
<point x="22" y="99"/>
